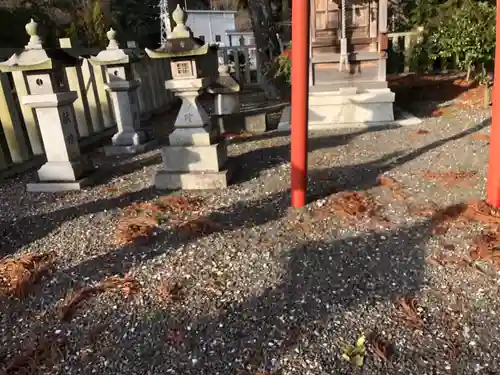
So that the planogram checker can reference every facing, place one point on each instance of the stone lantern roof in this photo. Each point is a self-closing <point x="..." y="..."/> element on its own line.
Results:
<point x="180" y="42"/>
<point x="224" y="84"/>
<point x="113" y="54"/>
<point x="35" y="57"/>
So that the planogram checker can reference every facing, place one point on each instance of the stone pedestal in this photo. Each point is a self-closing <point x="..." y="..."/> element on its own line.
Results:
<point x="123" y="87"/>
<point x="65" y="169"/>
<point x="226" y="93"/>
<point x="129" y="139"/>
<point x="193" y="161"/>
<point x="256" y="123"/>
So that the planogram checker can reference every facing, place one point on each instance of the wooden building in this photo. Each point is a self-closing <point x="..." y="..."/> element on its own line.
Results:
<point x="348" y="64"/>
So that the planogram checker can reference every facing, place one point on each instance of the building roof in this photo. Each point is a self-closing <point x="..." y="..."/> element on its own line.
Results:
<point x="211" y="11"/>
<point x="239" y="32"/>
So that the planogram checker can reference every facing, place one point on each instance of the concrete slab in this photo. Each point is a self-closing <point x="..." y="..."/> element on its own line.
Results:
<point x="402" y="118"/>
<point x="129" y="150"/>
<point x="61" y="186"/>
<point x="193" y="180"/>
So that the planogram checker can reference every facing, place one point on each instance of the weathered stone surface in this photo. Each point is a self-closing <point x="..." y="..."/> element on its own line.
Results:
<point x="58" y="129"/>
<point x="256" y="123"/>
<point x="55" y="187"/>
<point x="192" y="180"/>
<point x="227" y="104"/>
<point x="193" y="136"/>
<point x="194" y="158"/>
<point x="129" y="150"/>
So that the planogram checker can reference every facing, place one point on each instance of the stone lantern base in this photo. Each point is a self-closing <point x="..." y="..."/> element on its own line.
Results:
<point x="200" y="165"/>
<point x="66" y="169"/>
<point x="61" y="186"/>
<point x="140" y="148"/>
<point x="192" y="180"/>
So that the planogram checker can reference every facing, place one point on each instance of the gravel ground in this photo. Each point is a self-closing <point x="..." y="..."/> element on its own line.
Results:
<point x="263" y="290"/>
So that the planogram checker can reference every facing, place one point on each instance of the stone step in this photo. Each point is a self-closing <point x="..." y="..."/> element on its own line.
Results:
<point x="350" y="96"/>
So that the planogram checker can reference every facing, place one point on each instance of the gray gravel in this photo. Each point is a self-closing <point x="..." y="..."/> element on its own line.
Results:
<point x="271" y="290"/>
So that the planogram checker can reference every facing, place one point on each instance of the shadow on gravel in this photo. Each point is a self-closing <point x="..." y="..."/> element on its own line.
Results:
<point x="22" y="231"/>
<point x="107" y="172"/>
<point x="253" y="163"/>
<point x="19" y="232"/>
<point x="322" y="280"/>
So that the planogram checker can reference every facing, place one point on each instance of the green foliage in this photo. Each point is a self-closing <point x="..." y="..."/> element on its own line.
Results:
<point x="283" y="65"/>
<point x="138" y="21"/>
<point x="89" y="26"/>
<point x="458" y="31"/>
<point x="423" y="12"/>
<point x="355" y="354"/>
<point x="13" y="21"/>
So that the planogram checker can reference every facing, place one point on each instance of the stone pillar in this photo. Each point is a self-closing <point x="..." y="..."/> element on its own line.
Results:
<point x="194" y="159"/>
<point x="227" y="100"/>
<point x="65" y="168"/>
<point x="122" y="87"/>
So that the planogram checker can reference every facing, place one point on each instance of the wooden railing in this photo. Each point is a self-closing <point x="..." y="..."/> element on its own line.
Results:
<point x="401" y="46"/>
<point x="243" y="61"/>
<point x="246" y="68"/>
<point x="20" y="141"/>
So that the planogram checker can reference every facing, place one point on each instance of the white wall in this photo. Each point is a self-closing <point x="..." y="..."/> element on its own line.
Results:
<point x="248" y="37"/>
<point x="210" y="24"/>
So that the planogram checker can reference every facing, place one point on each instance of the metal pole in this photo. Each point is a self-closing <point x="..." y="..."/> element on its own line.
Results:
<point x="300" y="99"/>
<point x="493" y="184"/>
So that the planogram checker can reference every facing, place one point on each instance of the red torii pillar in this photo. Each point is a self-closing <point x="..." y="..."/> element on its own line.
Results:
<point x="300" y="100"/>
<point x="493" y="184"/>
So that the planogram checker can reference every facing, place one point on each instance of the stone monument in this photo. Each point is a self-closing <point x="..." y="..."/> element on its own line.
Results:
<point x="227" y="99"/>
<point x="347" y="72"/>
<point x="195" y="158"/>
<point x="65" y="168"/>
<point x="123" y="86"/>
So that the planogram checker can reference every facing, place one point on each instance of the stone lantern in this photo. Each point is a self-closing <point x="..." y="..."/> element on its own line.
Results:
<point x="65" y="168"/>
<point x="123" y="86"/>
<point x="227" y="97"/>
<point x="226" y="91"/>
<point x="194" y="159"/>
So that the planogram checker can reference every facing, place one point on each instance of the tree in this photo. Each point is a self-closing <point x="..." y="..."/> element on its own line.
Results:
<point x="264" y="29"/>
<point x="137" y="20"/>
<point x="89" y="25"/>
<point x="465" y="32"/>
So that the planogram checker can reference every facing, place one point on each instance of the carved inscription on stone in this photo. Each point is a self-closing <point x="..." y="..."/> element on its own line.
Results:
<point x="66" y="118"/>
<point x="188" y="117"/>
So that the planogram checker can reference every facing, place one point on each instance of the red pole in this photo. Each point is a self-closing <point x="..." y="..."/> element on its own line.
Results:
<point x="300" y="99"/>
<point x="493" y="184"/>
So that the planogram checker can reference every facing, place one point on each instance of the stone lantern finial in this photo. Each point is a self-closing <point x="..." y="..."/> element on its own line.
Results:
<point x="35" y="41"/>
<point x="180" y="30"/>
<point x="111" y="35"/>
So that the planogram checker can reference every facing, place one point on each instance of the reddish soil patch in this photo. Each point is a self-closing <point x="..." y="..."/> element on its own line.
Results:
<point x="486" y="248"/>
<point x="481" y="137"/>
<point x="350" y="205"/>
<point x="125" y="285"/>
<point x="18" y="274"/>
<point x="440" y="88"/>
<point x="395" y="187"/>
<point x="38" y="356"/>
<point x="450" y="177"/>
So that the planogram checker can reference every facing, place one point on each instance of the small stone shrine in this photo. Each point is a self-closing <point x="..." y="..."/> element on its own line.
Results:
<point x="347" y="71"/>
<point x="227" y="98"/>
<point x="123" y="86"/>
<point x="195" y="159"/>
<point x="52" y="101"/>
<point x="348" y="63"/>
